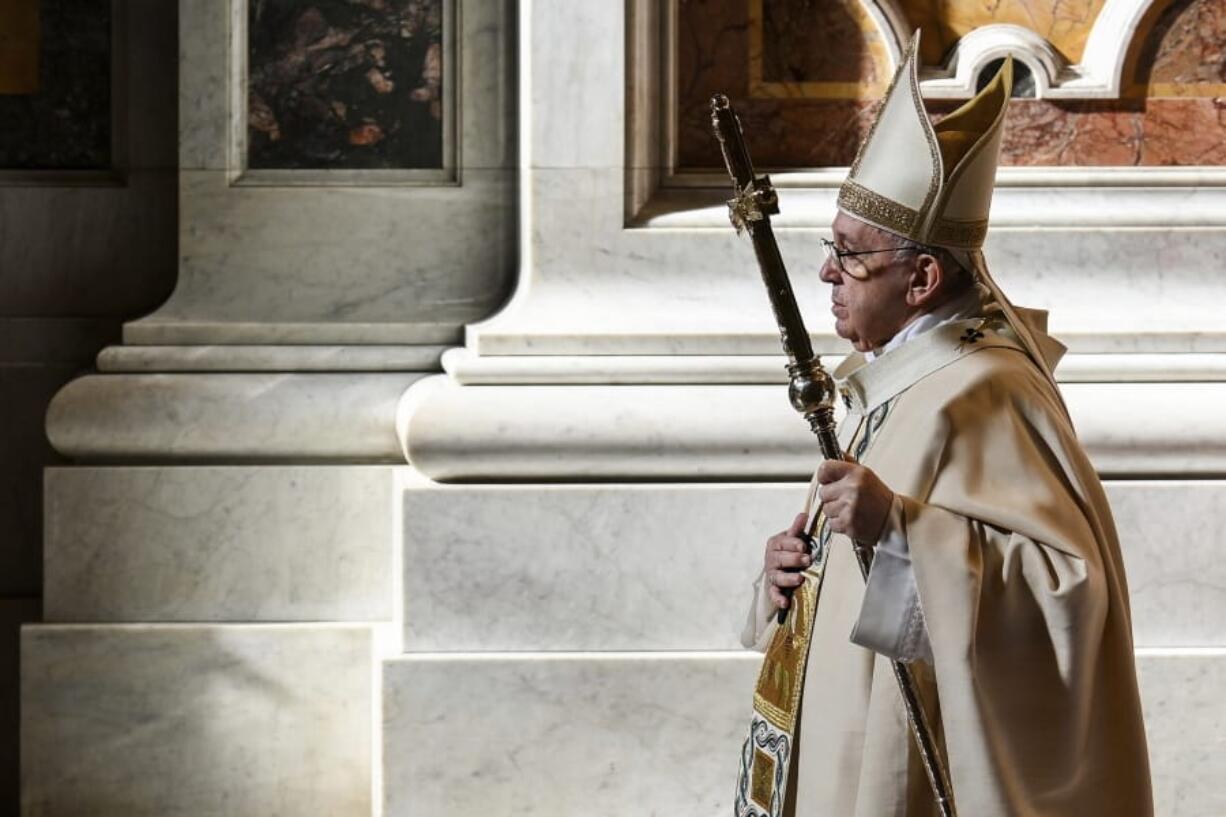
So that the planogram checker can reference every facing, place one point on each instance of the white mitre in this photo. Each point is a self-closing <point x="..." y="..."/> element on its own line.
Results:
<point x="933" y="183"/>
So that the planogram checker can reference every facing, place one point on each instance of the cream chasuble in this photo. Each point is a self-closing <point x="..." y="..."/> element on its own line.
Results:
<point x="1032" y="684"/>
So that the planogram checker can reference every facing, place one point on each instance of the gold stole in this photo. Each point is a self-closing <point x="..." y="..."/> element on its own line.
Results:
<point x="767" y="752"/>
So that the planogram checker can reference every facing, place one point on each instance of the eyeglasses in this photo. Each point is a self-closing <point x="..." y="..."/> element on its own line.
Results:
<point x="836" y="257"/>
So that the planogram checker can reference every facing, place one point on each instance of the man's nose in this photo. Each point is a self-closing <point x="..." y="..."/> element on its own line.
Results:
<point x="829" y="273"/>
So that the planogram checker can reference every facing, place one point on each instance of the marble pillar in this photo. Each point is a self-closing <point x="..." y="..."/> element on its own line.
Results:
<point x="222" y="564"/>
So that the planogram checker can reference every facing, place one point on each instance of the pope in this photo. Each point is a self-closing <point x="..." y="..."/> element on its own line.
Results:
<point x="996" y="568"/>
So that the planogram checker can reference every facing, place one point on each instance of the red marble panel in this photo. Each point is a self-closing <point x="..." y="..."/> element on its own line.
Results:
<point x="1136" y="133"/>
<point x="807" y="41"/>
<point x="1175" y="113"/>
<point x="713" y="55"/>
<point x="1187" y="44"/>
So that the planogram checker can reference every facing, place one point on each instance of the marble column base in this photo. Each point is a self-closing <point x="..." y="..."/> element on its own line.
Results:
<point x="218" y="543"/>
<point x="229" y="417"/>
<point x="179" y="721"/>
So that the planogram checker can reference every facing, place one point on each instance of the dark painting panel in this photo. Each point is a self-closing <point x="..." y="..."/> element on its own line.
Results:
<point x="345" y="84"/>
<point x="65" y="122"/>
<point x="1173" y="110"/>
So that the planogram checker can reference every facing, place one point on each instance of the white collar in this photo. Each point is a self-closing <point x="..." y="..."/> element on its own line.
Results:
<point x="967" y="305"/>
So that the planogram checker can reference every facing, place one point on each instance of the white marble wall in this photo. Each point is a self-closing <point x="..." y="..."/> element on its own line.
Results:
<point x="669" y="567"/>
<point x="571" y="641"/>
<point x="605" y="735"/>
<point x="601" y="735"/>
<point x="184" y="721"/>
<point x="583" y="567"/>
<point x="1185" y="721"/>
<point x="219" y="543"/>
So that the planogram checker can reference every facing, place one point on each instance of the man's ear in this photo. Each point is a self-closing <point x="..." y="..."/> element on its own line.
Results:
<point x="926" y="281"/>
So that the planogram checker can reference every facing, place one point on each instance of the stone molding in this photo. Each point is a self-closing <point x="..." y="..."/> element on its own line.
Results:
<point x="577" y="433"/>
<point x="265" y="417"/>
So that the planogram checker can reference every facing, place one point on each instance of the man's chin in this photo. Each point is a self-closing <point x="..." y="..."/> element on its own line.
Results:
<point x="845" y="332"/>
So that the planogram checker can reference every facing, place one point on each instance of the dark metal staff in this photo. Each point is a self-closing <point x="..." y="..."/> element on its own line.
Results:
<point x="811" y="389"/>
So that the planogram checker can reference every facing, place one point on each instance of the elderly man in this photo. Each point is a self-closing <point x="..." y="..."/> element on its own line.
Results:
<point x="996" y="572"/>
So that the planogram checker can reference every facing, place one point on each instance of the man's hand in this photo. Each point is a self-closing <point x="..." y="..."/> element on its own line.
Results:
<point x="786" y="555"/>
<point x="856" y="502"/>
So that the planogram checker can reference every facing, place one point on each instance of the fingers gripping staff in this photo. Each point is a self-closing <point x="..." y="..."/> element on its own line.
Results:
<point x="767" y="752"/>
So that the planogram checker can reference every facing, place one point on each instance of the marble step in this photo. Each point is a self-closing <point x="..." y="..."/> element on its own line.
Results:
<point x="218" y="543"/>
<point x="669" y="566"/>
<point x="236" y="720"/>
<point x="612" y="734"/>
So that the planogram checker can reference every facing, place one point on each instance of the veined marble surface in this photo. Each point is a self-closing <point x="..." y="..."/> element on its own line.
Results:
<point x="244" y="417"/>
<point x="690" y="285"/>
<point x="352" y="254"/>
<point x="470" y="369"/>
<point x="585" y="567"/>
<point x="670" y="567"/>
<point x="218" y="543"/>
<point x="1171" y="536"/>
<point x="603" y="734"/>
<point x="1185" y="720"/>
<point x="179" y="721"/>
<point x="236" y="358"/>
<point x="737" y="432"/>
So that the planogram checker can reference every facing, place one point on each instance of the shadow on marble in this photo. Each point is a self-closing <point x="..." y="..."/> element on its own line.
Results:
<point x="14" y="612"/>
<point x="245" y="721"/>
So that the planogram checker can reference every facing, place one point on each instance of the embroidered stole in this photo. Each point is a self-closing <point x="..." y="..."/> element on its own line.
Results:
<point x="766" y="755"/>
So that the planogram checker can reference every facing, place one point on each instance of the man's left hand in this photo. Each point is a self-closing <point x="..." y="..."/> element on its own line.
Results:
<point x="855" y="500"/>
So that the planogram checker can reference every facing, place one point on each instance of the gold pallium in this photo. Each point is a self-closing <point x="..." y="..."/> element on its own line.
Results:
<point x="763" y="783"/>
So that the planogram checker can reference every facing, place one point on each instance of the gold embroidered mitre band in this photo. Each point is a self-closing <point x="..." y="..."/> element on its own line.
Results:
<point x="929" y="183"/>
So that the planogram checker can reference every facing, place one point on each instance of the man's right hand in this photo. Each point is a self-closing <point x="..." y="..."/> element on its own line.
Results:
<point x="786" y="555"/>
